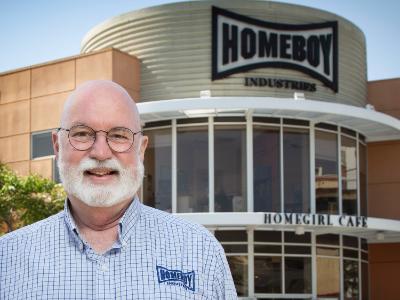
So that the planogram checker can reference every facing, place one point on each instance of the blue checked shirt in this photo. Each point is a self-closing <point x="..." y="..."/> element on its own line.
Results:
<point x="157" y="256"/>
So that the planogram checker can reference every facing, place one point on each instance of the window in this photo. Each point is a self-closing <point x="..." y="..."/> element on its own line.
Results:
<point x="326" y="172"/>
<point x="56" y="173"/>
<point x="235" y="246"/>
<point x="364" y="281"/>
<point x="362" y="150"/>
<point x="296" y="160"/>
<point x="267" y="274"/>
<point x="192" y="168"/>
<point x="230" y="168"/>
<point x="298" y="275"/>
<point x="157" y="182"/>
<point x="349" y="175"/>
<point x="41" y="144"/>
<point x="350" y="275"/>
<point x="239" y="266"/>
<point x="266" y="168"/>
<point x="328" y="266"/>
<point x="328" y="277"/>
<point x="280" y="170"/>
<point x="282" y="264"/>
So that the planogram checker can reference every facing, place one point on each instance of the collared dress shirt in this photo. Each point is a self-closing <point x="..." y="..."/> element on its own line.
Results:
<point x="156" y="256"/>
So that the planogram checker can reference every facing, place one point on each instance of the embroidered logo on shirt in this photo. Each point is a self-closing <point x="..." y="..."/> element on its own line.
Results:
<point x="176" y="277"/>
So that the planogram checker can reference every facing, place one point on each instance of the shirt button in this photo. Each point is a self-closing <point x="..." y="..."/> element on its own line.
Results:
<point x="104" y="267"/>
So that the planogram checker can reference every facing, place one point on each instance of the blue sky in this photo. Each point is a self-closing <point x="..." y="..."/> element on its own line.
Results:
<point x="38" y="31"/>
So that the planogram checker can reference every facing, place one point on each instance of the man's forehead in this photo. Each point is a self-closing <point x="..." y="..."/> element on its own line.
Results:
<point x="100" y="92"/>
<point x="100" y="100"/>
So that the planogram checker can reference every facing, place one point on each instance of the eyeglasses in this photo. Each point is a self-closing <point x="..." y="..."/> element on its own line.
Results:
<point x="82" y="138"/>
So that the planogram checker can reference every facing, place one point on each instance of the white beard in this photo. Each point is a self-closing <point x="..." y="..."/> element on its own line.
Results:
<point x="129" y="180"/>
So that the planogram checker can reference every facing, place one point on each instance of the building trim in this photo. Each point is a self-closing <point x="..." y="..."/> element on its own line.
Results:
<point x="374" y="125"/>
<point x="390" y="228"/>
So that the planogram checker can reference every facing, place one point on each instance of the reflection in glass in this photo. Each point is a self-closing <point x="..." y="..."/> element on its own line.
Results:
<point x="268" y="249"/>
<point x="297" y="250"/>
<point x="296" y="170"/>
<point x="291" y="237"/>
<point x="350" y="241"/>
<point x="231" y="235"/>
<point x="326" y="172"/>
<point x="266" y="153"/>
<point x="362" y="151"/>
<point x="230" y="168"/>
<point x="298" y="275"/>
<point x="233" y="248"/>
<point x="41" y="144"/>
<point x="157" y="180"/>
<point x="239" y="266"/>
<point x="349" y="175"/>
<point x="350" y="279"/>
<point x="364" y="281"/>
<point x="327" y="251"/>
<point x="192" y="169"/>
<point x="364" y="244"/>
<point x="267" y="274"/>
<point x="328" y="239"/>
<point x="267" y="236"/>
<point x="328" y="278"/>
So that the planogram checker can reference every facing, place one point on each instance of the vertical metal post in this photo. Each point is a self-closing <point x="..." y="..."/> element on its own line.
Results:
<point x="314" y="274"/>
<point x="211" y="163"/>
<point x="341" y="267"/>
<point x="174" y="166"/>
<point x="358" y="176"/>
<point x="339" y="145"/>
<point x="281" y="165"/>
<point x="249" y="161"/>
<point x="312" y="169"/>
<point x="250" y="250"/>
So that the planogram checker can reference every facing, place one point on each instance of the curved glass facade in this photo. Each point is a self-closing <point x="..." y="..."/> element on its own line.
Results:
<point x="254" y="164"/>
<point x="284" y="265"/>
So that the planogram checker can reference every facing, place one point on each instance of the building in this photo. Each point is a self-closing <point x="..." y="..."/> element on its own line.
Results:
<point x="262" y="126"/>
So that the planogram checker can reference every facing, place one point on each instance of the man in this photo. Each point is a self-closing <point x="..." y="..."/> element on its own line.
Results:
<point x="106" y="244"/>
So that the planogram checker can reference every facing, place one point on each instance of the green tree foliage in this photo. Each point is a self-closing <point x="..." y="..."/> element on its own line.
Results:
<point x="25" y="200"/>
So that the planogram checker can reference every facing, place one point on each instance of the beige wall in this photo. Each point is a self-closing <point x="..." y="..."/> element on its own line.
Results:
<point x="384" y="179"/>
<point x="383" y="157"/>
<point x="383" y="193"/>
<point x="385" y="96"/>
<point x="32" y="99"/>
<point x="384" y="260"/>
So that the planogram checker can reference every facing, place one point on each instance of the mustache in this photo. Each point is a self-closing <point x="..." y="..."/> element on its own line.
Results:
<point x="90" y="163"/>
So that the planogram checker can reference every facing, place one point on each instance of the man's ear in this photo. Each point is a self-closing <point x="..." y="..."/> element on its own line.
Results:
<point x="56" y="143"/>
<point x="143" y="145"/>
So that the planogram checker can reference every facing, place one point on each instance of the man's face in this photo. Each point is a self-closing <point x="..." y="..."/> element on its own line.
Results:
<point x="100" y="176"/>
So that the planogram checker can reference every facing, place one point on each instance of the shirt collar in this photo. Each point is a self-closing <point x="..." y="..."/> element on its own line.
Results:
<point x="71" y="226"/>
<point x="128" y="220"/>
<point x="126" y="223"/>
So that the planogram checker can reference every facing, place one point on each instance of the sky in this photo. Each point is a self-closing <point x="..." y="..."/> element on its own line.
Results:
<point x="39" y="31"/>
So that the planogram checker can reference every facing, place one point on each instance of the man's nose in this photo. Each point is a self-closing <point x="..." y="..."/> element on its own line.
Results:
<point x="100" y="149"/>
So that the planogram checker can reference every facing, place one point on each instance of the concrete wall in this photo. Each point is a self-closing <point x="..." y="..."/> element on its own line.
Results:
<point x="31" y="100"/>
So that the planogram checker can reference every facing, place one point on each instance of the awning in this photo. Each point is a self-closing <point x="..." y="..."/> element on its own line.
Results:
<point x="375" y="126"/>
<point x="378" y="230"/>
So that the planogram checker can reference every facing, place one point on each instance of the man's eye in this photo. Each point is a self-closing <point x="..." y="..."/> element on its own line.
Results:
<point x="81" y="134"/>
<point x="118" y="137"/>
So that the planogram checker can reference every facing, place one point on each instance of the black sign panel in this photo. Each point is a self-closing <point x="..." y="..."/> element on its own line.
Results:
<point x="241" y="43"/>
